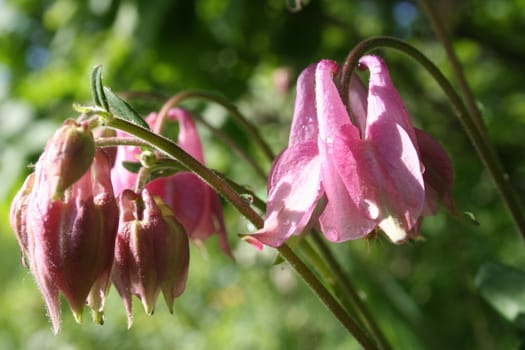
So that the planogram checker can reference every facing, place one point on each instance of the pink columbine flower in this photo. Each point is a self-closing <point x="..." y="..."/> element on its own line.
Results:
<point x="151" y="252"/>
<point x="370" y="172"/>
<point x="195" y="204"/>
<point x="67" y="235"/>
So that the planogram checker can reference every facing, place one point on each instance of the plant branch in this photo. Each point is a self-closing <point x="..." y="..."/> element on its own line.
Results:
<point x="237" y="116"/>
<point x="349" y="291"/>
<point x="439" y="29"/>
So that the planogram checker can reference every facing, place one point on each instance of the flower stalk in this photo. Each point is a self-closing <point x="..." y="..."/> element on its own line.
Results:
<point x="252" y="132"/>
<point x="349" y="291"/>
<point x="437" y="26"/>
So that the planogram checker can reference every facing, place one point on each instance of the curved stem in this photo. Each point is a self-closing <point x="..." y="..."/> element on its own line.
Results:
<point x="237" y="116"/>
<point x="242" y="153"/>
<point x="326" y="297"/>
<point x="173" y="150"/>
<point x="439" y="29"/>
<point x="232" y="145"/>
<point x="484" y="149"/>
<point x="350" y="293"/>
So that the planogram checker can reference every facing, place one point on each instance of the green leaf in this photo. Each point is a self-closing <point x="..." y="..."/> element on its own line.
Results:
<point x="133" y="167"/>
<point x="97" y="89"/>
<point x="503" y="287"/>
<point x="123" y="110"/>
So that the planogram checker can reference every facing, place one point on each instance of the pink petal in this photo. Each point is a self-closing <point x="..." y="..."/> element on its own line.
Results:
<point x="186" y="195"/>
<point x="357" y="95"/>
<point x="383" y="98"/>
<point x="398" y="175"/>
<point x="293" y="197"/>
<point x="218" y="220"/>
<point x="121" y="178"/>
<point x="438" y="175"/>
<point x="342" y="218"/>
<point x="188" y="138"/>
<point x="304" y="124"/>
<point x="332" y="114"/>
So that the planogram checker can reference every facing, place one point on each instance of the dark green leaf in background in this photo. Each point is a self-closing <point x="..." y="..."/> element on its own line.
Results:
<point x="503" y="287"/>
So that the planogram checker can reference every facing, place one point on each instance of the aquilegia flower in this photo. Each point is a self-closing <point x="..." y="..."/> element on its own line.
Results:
<point x="195" y="204"/>
<point x="66" y="225"/>
<point x="376" y="170"/>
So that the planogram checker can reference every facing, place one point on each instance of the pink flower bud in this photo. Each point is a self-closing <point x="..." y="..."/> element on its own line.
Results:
<point x="18" y="213"/>
<point x="151" y="252"/>
<point x="69" y="154"/>
<point x="69" y="241"/>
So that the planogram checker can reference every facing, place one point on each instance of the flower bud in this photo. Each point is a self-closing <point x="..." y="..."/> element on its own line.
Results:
<point x="70" y="240"/>
<point x="151" y="252"/>
<point x="68" y="155"/>
<point x="17" y="215"/>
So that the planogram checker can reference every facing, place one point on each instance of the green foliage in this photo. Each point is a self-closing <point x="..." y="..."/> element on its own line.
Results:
<point x="424" y="295"/>
<point x="504" y="288"/>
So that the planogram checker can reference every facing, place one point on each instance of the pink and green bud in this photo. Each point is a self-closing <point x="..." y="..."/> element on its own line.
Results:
<point x="69" y="154"/>
<point x="151" y="252"/>
<point x="69" y="241"/>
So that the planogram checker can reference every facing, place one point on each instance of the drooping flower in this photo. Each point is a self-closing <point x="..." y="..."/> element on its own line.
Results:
<point x="68" y="241"/>
<point x="369" y="171"/>
<point x="151" y="252"/>
<point x="195" y="204"/>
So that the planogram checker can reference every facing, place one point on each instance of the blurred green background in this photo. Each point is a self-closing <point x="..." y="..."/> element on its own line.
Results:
<point x="250" y="51"/>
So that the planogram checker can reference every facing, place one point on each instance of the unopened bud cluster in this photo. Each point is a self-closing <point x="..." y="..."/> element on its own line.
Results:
<point x="79" y="231"/>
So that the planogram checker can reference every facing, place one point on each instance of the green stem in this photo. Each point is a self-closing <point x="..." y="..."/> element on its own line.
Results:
<point x="241" y="152"/>
<point x="120" y="141"/>
<point x="440" y="31"/>
<point x="237" y="116"/>
<point x="232" y="145"/>
<point x="484" y="149"/>
<point x="323" y="294"/>
<point x="349" y="291"/>
<point x="171" y="149"/>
